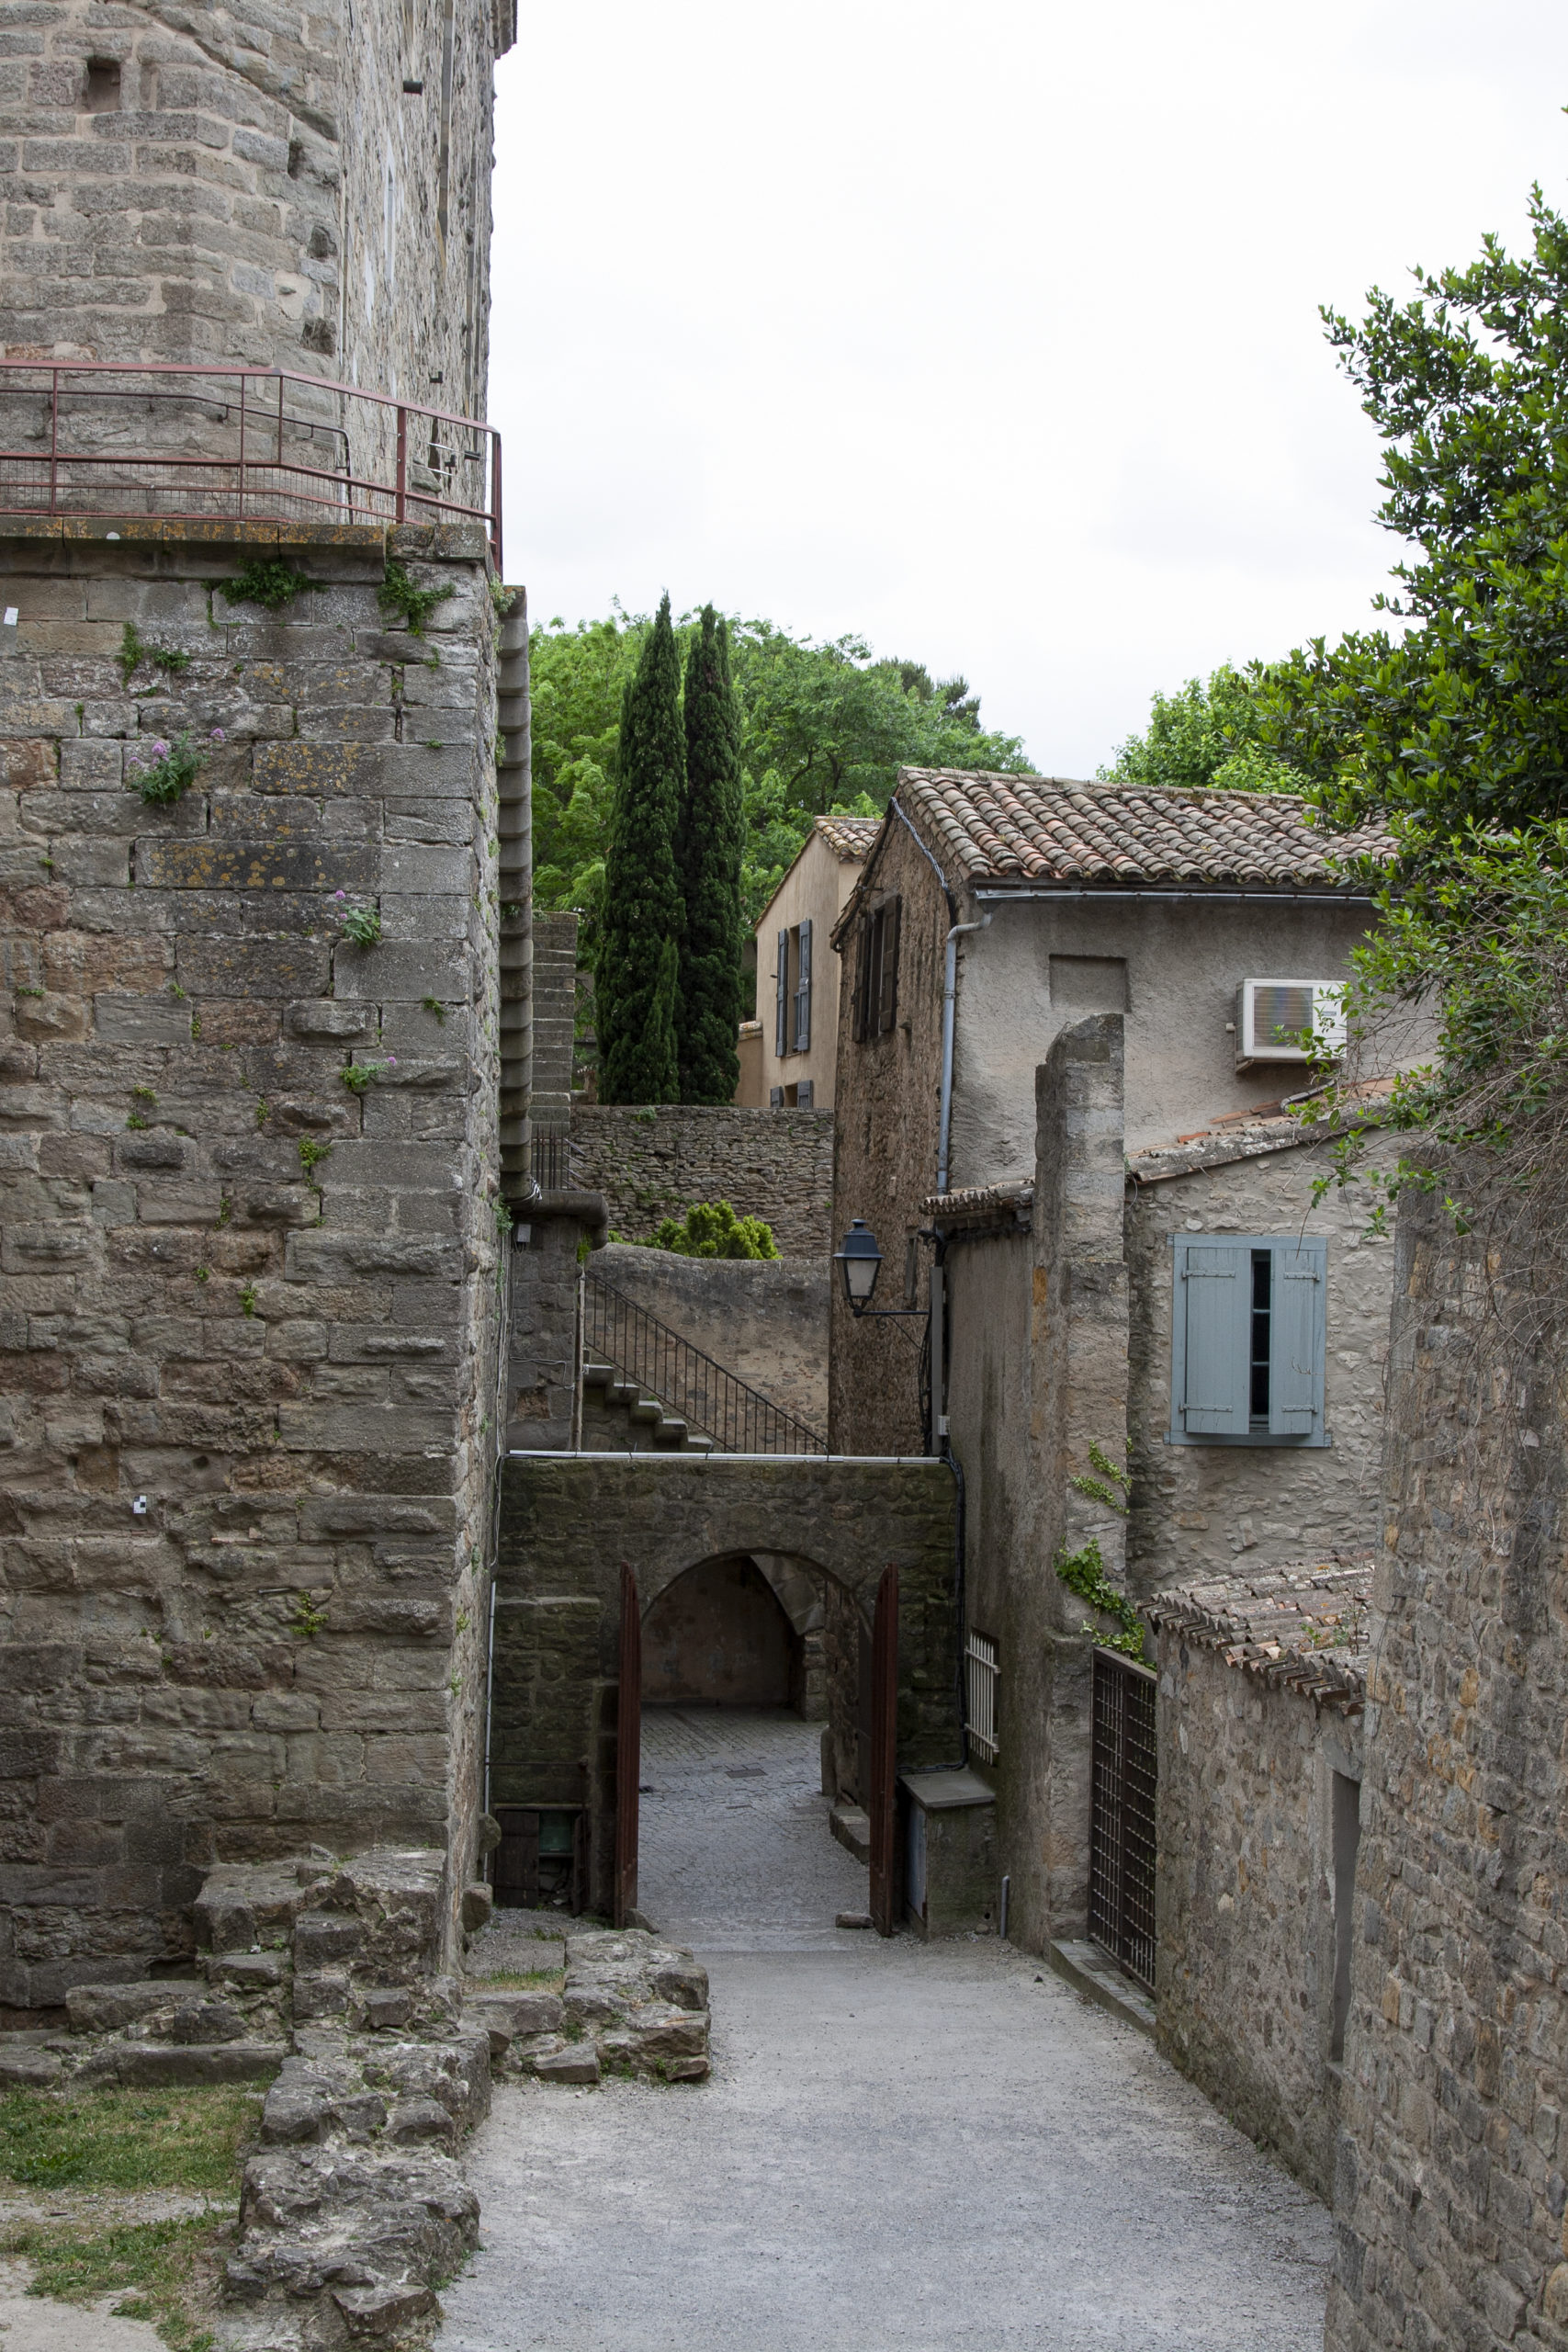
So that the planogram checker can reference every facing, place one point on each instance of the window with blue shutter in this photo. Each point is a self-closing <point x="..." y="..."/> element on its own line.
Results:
<point x="803" y="990"/>
<point x="1249" y="1340"/>
<point x="781" y="998"/>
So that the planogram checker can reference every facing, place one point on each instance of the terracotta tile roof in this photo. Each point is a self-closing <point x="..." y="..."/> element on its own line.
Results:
<point x="1005" y="1207"/>
<point x="1302" y="1628"/>
<point x="1048" y="830"/>
<point x="849" y="838"/>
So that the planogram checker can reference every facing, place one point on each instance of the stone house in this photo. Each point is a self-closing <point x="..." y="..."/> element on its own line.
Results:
<point x="791" y="1063"/>
<point x="251" y="1158"/>
<point x="994" y="911"/>
<point x="1128" y="1256"/>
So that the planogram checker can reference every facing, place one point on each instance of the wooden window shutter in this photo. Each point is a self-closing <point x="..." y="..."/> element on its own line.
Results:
<point x="1211" y="1331"/>
<point x="1297" y="1336"/>
<point x="887" y="990"/>
<point x="803" y="992"/>
<point x="781" y="998"/>
<point x="859" y="1006"/>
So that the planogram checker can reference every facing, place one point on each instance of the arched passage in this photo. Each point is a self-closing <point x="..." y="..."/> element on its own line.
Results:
<point x="718" y="1636"/>
<point x="820" y="1531"/>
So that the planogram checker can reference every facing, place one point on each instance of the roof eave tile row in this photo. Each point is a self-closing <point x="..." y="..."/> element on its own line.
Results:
<point x="1055" y="831"/>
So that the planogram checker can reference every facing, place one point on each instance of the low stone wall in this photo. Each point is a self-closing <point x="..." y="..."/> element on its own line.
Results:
<point x="765" y="1320"/>
<point x="653" y="1163"/>
<point x="1253" y="1734"/>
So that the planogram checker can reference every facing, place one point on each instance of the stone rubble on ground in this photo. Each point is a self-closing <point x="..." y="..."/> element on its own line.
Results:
<point x="322" y="1978"/>
<point x="631" y="2003"/>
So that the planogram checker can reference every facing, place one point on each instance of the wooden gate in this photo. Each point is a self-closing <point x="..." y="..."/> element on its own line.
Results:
<point x="1122" y="1819"/>
<point x="884" y="1790"/>
<point x="628" y="1748"/>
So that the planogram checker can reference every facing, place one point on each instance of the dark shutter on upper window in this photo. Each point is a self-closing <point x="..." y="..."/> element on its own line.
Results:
<point x="888" y="975"/>
<point x="859" y="1003"/>
<point x="803" y="992"/>
<point x="781" y="998"/>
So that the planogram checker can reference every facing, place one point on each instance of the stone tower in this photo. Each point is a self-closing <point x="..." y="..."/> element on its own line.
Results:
<point x="257" y="858"/>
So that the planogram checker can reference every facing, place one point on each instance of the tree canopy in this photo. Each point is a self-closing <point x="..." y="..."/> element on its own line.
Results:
<point x="824" y="728"/>
<point x="1205" y="735"/>
<point x="1460" y="717"/>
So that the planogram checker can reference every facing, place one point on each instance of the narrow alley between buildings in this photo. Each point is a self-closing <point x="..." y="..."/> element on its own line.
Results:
<point x="901" y="2144"/>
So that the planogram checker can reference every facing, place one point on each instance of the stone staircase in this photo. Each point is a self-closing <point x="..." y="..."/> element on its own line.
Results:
<point x="622" y="1414"/>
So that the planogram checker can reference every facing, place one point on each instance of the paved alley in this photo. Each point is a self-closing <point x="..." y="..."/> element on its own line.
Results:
<point x="902" y="2145"/>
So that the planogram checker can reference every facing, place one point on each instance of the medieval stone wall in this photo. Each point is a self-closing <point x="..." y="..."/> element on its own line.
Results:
<point x="1245" y="1895"/>
<point x="650" y="1164"/>
<point x="247" y="1301"/>
<point x="191" y="183"/>
<point x="1453" y="2163"/>
<point x="764" y="1320"/>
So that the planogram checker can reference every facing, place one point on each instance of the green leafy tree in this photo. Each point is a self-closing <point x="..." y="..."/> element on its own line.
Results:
<point x="708" y="844"/>
<point x="1462" y="716"/>
<point x="824" y="730"/>
<point x="1206" y="735"/>
<point x="638" y="966"/>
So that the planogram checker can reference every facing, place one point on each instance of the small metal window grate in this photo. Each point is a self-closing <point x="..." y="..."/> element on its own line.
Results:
<point x="981" y="1661"/>
<point x="1121" y="1826"/>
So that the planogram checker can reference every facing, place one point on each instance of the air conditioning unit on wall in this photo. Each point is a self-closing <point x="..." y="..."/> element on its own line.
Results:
<point x="1271" y="1015"/>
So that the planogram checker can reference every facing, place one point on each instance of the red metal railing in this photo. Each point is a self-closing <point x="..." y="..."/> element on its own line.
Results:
<point x="99" y="440"/>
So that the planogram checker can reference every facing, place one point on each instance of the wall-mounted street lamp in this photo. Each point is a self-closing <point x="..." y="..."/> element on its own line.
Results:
<point x="862" y="1261"/>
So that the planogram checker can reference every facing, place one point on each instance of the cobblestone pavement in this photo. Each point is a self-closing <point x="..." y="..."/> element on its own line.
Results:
<point x="735" y="1851"/>
<point x="921" y="2147"/>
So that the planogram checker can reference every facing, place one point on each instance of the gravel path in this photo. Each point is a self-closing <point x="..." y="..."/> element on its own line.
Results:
<point x="921" y="2147"/>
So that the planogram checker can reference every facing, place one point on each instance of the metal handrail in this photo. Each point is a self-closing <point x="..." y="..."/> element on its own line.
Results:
<point x="256" y="476"/>
<point x="738" y="1418"/>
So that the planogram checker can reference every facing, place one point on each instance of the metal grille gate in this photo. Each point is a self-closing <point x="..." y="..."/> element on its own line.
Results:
<point x="1122" y="1827"/>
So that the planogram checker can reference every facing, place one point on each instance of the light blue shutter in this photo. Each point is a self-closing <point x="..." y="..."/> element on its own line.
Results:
<point x="1212" y="1323"/>
<point x="781" y="999"/>
<point x="803" y="992"/>
<point x="1296" y="1339"/>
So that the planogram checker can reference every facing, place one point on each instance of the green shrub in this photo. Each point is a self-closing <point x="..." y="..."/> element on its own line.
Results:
<point x="712" y="1230"/>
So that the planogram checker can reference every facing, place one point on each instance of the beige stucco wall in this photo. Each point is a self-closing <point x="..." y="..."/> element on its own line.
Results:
<point x="1184" y="963"/>
<point x="816" y="888"/>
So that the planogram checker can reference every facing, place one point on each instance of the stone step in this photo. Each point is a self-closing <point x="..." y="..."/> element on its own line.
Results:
<point x="851" y="1827"/>
<point x="143" y="2064"/>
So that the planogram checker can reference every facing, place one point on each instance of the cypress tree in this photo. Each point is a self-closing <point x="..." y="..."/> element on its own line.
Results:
<point x="638" y="966"/>
<point x="708" y="862"/>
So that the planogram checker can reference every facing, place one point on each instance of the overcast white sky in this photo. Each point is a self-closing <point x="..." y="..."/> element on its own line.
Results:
<point x="988" y="331"/>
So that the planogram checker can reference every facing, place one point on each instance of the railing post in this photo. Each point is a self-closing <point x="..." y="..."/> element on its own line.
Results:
<point x="402" y="461"/>
<point x="242" y="382"/>
<point x="54" y="442"/>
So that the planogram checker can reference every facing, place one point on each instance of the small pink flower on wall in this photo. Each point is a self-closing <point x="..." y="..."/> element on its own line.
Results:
<point x="219" y="736"/>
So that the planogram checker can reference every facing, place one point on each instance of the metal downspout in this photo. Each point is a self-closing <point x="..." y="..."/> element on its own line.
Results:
<point x="514" y="834"/>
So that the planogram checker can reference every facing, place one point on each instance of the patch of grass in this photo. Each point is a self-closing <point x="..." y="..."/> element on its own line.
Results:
<point x="127" y="2139"/>
<point x="149" y="2265"/>
<point x="525" y="1980"/>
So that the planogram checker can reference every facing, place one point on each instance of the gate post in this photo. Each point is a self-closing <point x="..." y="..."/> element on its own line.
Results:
<point x="628" y="1747"/>
<point x="884" y="1750"/>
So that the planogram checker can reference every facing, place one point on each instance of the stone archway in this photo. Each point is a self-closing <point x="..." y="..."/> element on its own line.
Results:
<point x="823" y="1526"/>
